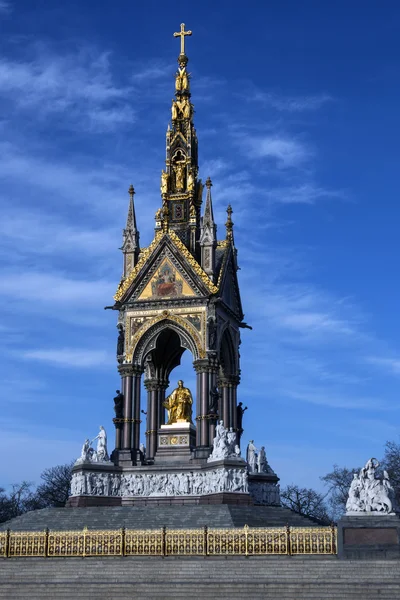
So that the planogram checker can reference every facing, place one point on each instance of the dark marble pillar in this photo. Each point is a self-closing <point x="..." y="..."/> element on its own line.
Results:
<point x="126" y="373"/>
<point x="206" y="379"/>
<point x="136" y="420"/>
<point x="152" y="387"/>
<point x="160" y="401"/>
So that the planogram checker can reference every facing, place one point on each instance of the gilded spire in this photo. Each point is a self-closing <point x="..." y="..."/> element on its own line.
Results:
<point x="181" y="191"/>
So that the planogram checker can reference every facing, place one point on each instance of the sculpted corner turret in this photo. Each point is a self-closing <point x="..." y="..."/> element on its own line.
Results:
<point x="130" y="237"/>
<point x="208" y="235"/>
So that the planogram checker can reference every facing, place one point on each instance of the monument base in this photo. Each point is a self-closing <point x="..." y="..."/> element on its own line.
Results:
<point x="223" y="481"/>
<point x="175" y="443"/>
<point x="369" y="536"/>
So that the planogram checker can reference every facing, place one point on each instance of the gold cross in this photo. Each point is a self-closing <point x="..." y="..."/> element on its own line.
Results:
<point x="182" y="34"/>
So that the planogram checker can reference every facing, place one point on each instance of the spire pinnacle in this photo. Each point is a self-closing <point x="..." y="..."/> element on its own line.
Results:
<point x="130" y="236"/>
<point x="208" y="211"/>
<point x="229" y="223"/>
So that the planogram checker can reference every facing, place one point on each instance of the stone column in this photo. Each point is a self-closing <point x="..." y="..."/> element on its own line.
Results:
<point x="224" y="388"/>
<point x="126" y="373"/>
<point x="152" y="387"/>
<point x="228" y="388"/>
<point x="160" y="400"/>
<point x="206" y="379"/>
<point x="233" y="402"/>
<point x="136" y="420"/>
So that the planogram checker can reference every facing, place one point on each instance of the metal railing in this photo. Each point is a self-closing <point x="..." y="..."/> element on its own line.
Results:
<point x="245" y="541"/>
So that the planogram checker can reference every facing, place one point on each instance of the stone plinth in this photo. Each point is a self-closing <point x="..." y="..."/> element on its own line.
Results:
<point x="264" y="488"/>
<point x="369" y="536"/>
<point x="175" y="442"/>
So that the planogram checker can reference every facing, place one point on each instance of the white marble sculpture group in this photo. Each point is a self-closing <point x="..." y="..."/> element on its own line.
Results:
<point x="187" y="483"/>
<point x="158" y="484"/>
<point x="224" y="444"/>
<point x="257" y="461"/>
<point x="370" y="494"/>
<point x="89" y="454"/>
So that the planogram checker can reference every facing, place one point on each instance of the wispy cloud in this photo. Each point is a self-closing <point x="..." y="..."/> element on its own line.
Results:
<point x="291" y="104"/>
<point x="80" y="86"/>
<point x="5" y="7"/>
<point x="71" y="357"/>
<point x="391" y="365"/>
<point x="47" y="288"/>
<point x="304" y="193"/>
<point x="42" y="234"/>
<point x="284" y="150"/>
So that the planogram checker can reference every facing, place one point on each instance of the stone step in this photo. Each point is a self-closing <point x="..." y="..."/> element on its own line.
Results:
<point x="123" y="578"/>
<point x="151" y="517"/>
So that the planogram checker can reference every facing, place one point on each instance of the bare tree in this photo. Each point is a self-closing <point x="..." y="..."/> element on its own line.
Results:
<point x="54" y="490"/>
<point x="18" y="501"/>
<point x="338" y="482"/>
<point x="391" y="462"/>
<point x="306" y="502"/>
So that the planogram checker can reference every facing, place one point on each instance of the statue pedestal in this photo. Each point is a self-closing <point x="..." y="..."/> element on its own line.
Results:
<point x="369" y="535"/>
<point x="175" y="442"/>
<point x="264" y="489"/>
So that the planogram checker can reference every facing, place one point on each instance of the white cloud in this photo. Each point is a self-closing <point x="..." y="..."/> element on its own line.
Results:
<point x="48" y="288"/>
<point x="79" y="86"/>
<point x="284" y="150"/>
<point x="305" y="193"/>
<point x="5" y="7"/>
<point x="71" y="357"/>
<point x="392" y="365"/>
<point x="292" y="104"/>
<point x="41" y="233"/>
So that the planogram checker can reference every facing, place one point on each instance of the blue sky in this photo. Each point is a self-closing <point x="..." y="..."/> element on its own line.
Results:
<point x="297" y="116"/>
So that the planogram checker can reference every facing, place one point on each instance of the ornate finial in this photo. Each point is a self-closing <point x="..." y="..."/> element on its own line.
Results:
<point x="165" y="218"/>
<point x="131" y="191"/>
<point x="229" y="222"/>
<point x="182" y="33"/>
<point x="208" y="183"/>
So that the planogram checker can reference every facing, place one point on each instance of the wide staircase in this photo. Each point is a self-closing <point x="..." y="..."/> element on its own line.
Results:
<point x="151" y="517"/>
<point x="277" y="578"/>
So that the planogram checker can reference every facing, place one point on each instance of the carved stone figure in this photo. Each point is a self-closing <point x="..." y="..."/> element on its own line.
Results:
<point x="157" y="484"/>
<point x="214" y="401"/>
<point x="212" y="333"/>
<point x="101" y="452"/>
<point x="251" y="457"/>
<point x="240" y="412"/>
<point x="119" y="405"/>
<point x="267" y="494"/>
<point x="224" y="444"/>
<point x="262" y="463"/>
<point x="179" y="405"/>
<point x="142" y="449"/>
<point x="174" y="110"/>
<point x="187" y="109"/>
<point x="369" y="494"/>
<point x="164" y="182"/>
<point x="87" y="451"/>
<point x="190" y="181"/>
<point x="179" y="177"/>
<point x="182" y="80"/>
<point x="121" y="340"/>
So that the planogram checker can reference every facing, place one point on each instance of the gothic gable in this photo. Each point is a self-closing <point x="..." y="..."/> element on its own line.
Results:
<point x="167" y="282"/>
<point x="166" y="270"/>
